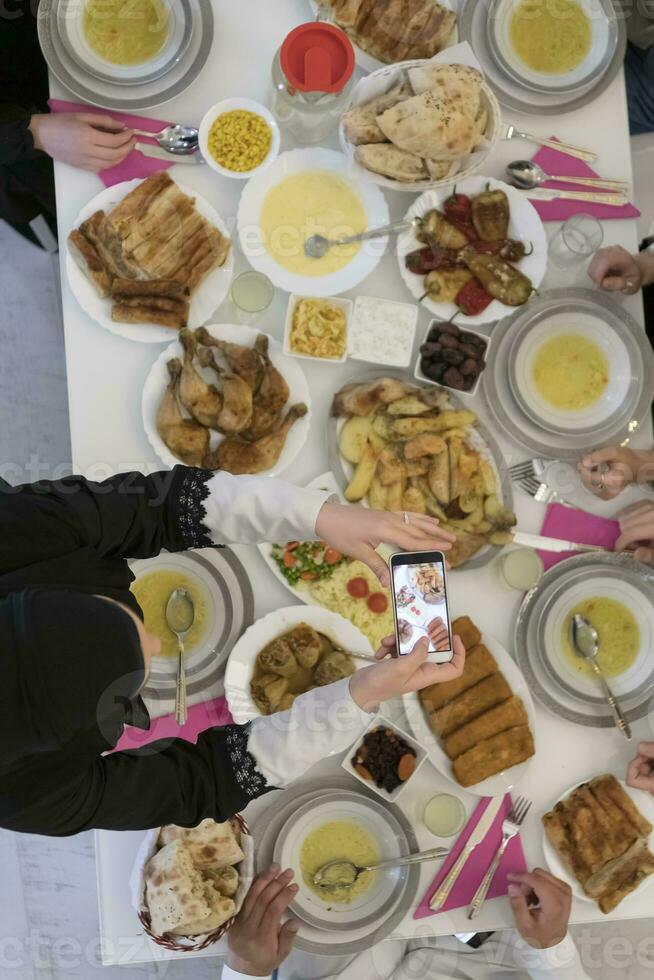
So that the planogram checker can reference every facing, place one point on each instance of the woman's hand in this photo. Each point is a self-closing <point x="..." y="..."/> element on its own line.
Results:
<point x="401" y="675"/>
<point x="358" y="531"/>
<point x="606" y="472"/>
<point x="640" y="773"/>
<point x="88" y="140"/>
<point x="637" y="531"/>
<point x="541" y="907"/>
<point x="258" y="942"/>
<point x="616" y="270"/>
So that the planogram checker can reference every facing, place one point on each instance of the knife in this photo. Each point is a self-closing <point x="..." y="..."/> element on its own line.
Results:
<point x="441" y="894"/>
<point x="553" y="544"/>
<point x="158" y="154"/>
<point x="551" y="194"/>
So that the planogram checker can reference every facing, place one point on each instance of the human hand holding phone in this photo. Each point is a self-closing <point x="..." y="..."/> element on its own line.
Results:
<point x="419" y="598"/>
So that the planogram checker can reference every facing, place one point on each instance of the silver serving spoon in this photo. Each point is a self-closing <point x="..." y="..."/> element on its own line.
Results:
<point x="527" y="175"/>
<point x="343" y="874"/>
<point x="180" y="616"/>
<point x="175" y="139"/>
<point x="317" y="246"/>
<point x="586" y="644"/>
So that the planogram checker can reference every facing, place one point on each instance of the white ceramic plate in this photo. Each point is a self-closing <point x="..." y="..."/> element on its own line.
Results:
<point x="289" y="164"/>
<point x="623" y="685"/>
<point x="205" y="299"/>
<point x="242" y="658"/>
<point x="645" y="804"/>
<point x="617" y="357"/>
<point x="525" y="225"/>
<point x="157" y="381"/>
<point x="503" y="782"/>
<point x="375" y="820"/>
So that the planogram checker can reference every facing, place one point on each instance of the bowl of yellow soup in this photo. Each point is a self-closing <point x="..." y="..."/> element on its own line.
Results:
<point x="304" y="193"/>
<point x="128" y="42"/>
<point x="239" y="138"/>
<point x="570" y="372"/>
<point x="342" y="826"/>
<point x="553" y="45"/>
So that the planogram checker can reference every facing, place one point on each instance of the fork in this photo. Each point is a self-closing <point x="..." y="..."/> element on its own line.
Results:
<point x="529" y="468"/>
<point x="541" y="493"/>
<point x="511" y="133"/>
<point x="510" y="827"/>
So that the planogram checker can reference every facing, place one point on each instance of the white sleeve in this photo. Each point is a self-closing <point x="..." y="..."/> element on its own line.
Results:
<point x="561" y="962"/>
<point x="321" y="723"/>
<point x="229" y="974"/>
<point x="250" y="509"/>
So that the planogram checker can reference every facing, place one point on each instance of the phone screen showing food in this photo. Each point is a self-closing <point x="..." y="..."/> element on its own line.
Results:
<point x="420" y="602"/>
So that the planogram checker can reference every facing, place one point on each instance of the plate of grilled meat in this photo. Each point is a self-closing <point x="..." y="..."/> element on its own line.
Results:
<point x="149" y="257"/>
<point x="226" y="397"/>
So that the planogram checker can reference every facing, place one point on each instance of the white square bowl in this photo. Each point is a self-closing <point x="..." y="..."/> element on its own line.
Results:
<point x="379" y="721"/>
<point x="419" y="376"/>
<point x="346" y="305"/>
<point x="396" y="363"/>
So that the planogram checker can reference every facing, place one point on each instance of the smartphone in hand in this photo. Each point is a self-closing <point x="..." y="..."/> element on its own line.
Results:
<point x="419" y="598"/>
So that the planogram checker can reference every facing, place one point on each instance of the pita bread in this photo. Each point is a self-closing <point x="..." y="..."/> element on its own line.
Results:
<point x="224" y="880"/>
<point x="459" y="81"/>
<point x="174" y="889"/>
<point x="360" y="123"/>
<point x="220" y="910"/>
<point x="210" y="844"/>
<point x="438" y="169"/>
<point x="430" y="126"/>
<point x="382" y="158"/>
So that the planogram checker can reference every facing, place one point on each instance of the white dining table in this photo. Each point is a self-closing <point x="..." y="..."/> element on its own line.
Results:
<point x="106" y="375"/>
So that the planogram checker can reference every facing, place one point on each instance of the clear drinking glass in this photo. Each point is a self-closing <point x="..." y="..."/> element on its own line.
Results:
<point x="521" y="568"/>
<point x="251" y="294"/>
<point x="576" y="240"/>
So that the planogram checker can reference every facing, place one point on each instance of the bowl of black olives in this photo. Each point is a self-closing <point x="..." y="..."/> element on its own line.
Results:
<point x="452" y="357"/>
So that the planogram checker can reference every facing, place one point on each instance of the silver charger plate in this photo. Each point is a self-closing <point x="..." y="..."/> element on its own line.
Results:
<point x="266" y="829"/>
<point x="123" y="98"/>
<point x="64" y="14"/>
<point x="473" y="27"/>
<point x="506" y="409"/>
<point x="544" y="683"/>
<point x="483" y="441"/>
<point x="233" y="612"/>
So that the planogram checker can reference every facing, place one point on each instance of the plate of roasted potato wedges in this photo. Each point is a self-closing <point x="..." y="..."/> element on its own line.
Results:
<point x="396" y="445"/>
<point x="478" y="252"/>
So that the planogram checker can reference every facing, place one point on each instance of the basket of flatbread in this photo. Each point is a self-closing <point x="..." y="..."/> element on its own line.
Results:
<point x="188" y="884"/>
<point x="422" y="124"/>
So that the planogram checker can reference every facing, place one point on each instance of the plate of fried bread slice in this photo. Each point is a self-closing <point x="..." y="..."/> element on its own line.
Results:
<point x="226" y="397"/>
<point x="599" y="837"/>
<point x="149" y="257"/>
<point x="386" y="31"/>
<point x="479" y="729"/>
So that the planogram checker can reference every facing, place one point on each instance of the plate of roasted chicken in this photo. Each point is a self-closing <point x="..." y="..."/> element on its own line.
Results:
<point x="479" y="252"/>
<point x="149" y="257"/>
<point x="387" y="31"/>
<point x="226" y="397"/>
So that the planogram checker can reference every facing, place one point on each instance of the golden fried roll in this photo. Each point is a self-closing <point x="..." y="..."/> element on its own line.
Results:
<point x="554" y="823"/>
<point x="473" y="702"/>
<point x="608" y="791"/>
<point x="480" y="663"/>
<point x="621" y="877"/>
<point x="593" y="833"/>
<point x="500" y="752"/>
<point x="508" y="714"/>
<point x="466" y="629"/>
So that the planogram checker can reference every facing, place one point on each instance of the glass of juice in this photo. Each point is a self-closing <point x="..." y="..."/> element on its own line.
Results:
<point x="251" y="295"/>
<point x="521" y="568"/>
<point x="444" y="815"/>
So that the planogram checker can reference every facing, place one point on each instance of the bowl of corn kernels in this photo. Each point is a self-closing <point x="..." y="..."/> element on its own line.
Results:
<point x="239" y="137"/>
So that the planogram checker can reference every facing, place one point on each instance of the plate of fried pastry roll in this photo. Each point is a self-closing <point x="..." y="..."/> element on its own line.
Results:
<point x="599" y="838"/>
<point x="479" y="729"/>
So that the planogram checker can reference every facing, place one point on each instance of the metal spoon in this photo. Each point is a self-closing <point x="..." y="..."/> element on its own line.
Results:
<point x="343" y="874"/>
<point x="180" y="616"/>
<point x="317" y="246"/>
<point x="175" y="139"/>
<point x="527" y="175"/>
<point x="586" y="644"/>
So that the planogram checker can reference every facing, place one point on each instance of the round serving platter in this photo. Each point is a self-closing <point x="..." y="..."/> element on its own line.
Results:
<point x="533" y="639"/>
<point x="348" y="940"/>
<point x="117" y="95"/>
<point x="506" y="410"/>
<point x="474" y="27"/>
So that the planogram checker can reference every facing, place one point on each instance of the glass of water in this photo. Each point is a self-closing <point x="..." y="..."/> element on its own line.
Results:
<point x="251" y="295"/>
<point x="576" y="241"/>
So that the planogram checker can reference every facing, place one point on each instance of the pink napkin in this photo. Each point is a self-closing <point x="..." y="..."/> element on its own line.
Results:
<point x="559" y="163"/>
<point x="576" y="525"/>
<point x="200" y="717"/>
<point x="135" y="164"/>
<point x="513" y="862"/>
